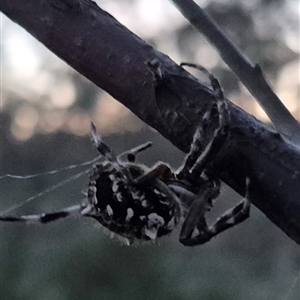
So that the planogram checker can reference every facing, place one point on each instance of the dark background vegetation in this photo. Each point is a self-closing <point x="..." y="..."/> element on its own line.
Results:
<point x="74" y="259"/>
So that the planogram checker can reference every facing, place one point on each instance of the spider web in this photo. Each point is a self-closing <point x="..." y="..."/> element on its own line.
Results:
<point x="52" y="188"/>
<point x="293" y="287"/>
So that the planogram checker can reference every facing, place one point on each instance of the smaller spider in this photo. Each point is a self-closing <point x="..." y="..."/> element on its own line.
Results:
<point x="137" y="202"/>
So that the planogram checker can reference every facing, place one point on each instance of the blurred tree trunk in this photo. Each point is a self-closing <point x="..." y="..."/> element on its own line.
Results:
<point x="97" y="46"/>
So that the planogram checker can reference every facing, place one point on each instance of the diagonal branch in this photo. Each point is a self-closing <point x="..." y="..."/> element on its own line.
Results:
<point x="100" y="48"/>
<point x="251" y="75"/>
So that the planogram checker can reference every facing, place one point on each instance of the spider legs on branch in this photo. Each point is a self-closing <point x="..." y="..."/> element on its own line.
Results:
<point x="195" y="219"/>
<point x="208" y="140"/>
<point x="210" y="134"/>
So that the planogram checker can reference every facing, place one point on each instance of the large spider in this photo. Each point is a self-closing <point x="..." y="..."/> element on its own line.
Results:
<point x="136" y="202"/>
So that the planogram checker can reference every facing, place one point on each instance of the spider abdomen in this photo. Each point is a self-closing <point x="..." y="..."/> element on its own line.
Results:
<point x="134" y="211"/>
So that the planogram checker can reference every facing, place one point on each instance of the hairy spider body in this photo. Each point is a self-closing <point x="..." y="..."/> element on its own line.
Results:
<point x="129" y="209"/>
<point x="137" y="202"/>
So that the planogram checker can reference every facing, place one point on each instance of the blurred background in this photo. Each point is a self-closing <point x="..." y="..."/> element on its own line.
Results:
<point x="46" y="109"/>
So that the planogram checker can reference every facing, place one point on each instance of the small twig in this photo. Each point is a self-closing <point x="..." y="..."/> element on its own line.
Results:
<point x="250" y="74"/>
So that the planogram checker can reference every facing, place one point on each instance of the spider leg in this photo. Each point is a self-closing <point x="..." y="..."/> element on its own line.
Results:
<point x="232" y="217"/>
<point x="195" y="217"/>
<point x="102" y="147"/>
<point x="160" y="170"/>
<point x="157" y="176"/>
<point x="112" y="158"/>
<point x="214" y="82"/>
<point x="210" y="134"/>
<point x="213" y="144"/>
<point x="132" y="153"/>
<point x="108" y="153"/>
<point x="75" y="210"/>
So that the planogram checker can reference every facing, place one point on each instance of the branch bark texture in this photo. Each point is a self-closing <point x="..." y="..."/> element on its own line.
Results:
<point x="100" y="48"/>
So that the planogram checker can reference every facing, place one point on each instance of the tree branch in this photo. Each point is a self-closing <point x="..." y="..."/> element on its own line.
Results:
<point x="251" y="75"/>
<point x="107" y="53"/>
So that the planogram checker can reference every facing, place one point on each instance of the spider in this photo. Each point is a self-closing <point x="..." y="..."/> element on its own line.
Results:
<point x="141" y="203"/>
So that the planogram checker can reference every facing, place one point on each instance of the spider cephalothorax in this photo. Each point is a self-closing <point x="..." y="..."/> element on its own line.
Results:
<point x="137" y="202"/>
